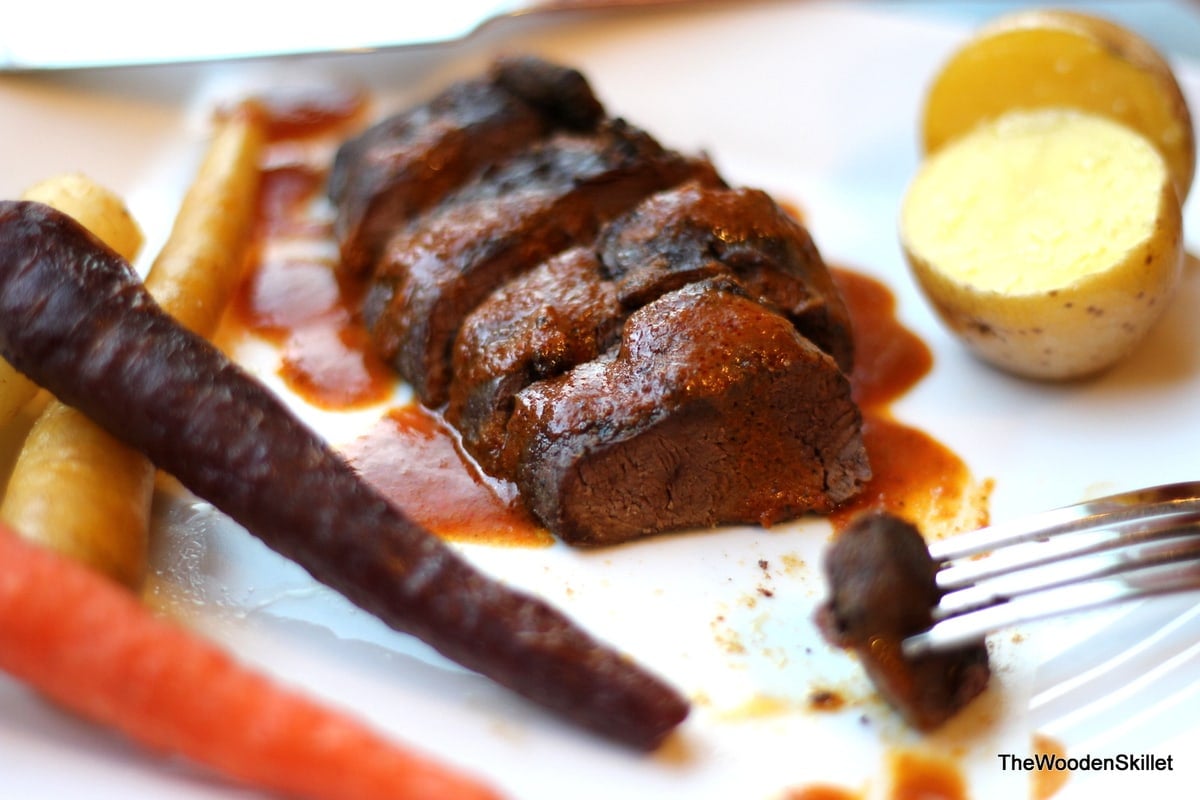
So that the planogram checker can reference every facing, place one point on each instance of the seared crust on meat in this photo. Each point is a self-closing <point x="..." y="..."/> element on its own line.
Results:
<point x="637" y="345"/>
<point x="536" y="326"/>
<point x="554" y="195"/>
<point x="678" y="237"/>
<point x="408" y="162"/>
<point x="713" y="409"/>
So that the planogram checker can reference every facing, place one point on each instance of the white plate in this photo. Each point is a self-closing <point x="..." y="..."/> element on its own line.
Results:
<point x="817" y="103"/>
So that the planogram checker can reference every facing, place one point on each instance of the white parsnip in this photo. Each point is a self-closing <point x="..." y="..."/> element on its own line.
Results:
<point x="76" y="488"/>
<point x="93" y="206"/>
<point x="15" y="391"/>
<point x="195" y="275"/>
<point x="83" y="493"/>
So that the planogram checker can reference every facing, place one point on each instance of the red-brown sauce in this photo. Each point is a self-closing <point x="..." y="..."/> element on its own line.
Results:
<point x="914" y="475"/>
<point x="293" y="297"/>
<point x="822" y="792"/>
<point x="412" y="456"/>
<point x="923" y="776"/>
<point x="911" y="775"/>
<point x="299" y="305"/>
<point x="1047" y="782"/>
<point x="825" y="700"/>
<point x="889" y="359"/>
<point x="306" y="112"/>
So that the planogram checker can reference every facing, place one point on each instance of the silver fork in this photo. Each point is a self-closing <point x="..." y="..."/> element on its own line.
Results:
<point x="1088" y="555"/>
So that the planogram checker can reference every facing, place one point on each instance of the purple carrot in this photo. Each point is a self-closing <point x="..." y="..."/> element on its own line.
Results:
<point x="75" y="318"/>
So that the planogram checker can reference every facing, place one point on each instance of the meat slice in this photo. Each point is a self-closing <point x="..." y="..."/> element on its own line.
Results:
<point x="546" y="199"/>
<point x="568" y="311"/>
<point x="713" y="409"/>
<point x="561" y="93"/>
<point x="536" y="326"/>
<point x="882" y="589"/>
<point x="697" y="231"/>
<point x="408" y="162"/>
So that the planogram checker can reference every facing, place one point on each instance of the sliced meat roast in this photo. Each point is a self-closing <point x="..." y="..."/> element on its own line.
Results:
<point x="677" y="237"/>
<point x="712" y="410"/>
<point x="609" y="325"/>
<point x="551" y="196"/>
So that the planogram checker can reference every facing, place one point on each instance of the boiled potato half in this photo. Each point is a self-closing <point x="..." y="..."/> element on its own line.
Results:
<point x="1050" y="58"/>
<point x="1049" y="240"/>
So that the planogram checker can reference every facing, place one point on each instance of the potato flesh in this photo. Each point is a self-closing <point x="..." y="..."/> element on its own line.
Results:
<point x="1048" y="241"/>
<point x="1035" y="201"/>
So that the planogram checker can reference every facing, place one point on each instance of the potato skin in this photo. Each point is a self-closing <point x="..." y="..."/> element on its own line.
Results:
<point x="1054" y="58"/>
<point x="1070" y="332"/>
<point x="1085" y="315"/>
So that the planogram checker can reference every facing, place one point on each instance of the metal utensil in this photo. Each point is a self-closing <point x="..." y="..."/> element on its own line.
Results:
<point x="50" y="36"/>
<point x="1084" y="556"/>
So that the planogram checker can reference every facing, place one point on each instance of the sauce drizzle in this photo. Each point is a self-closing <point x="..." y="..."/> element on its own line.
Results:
<point x="914" y="475"/>
<point x="412" y="456"/>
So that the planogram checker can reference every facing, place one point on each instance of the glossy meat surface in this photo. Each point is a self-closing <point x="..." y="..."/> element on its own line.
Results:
<point x="554" y="195"/>
<point x="679" y="237"/>
<point x="537" y="326"/>
<point x="408" y="162"/>
<point x="713" y="409"/>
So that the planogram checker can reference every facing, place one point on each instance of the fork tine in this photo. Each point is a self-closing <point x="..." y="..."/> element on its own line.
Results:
<point x="1106" y="536"/>
<point x="1168" y="578"/>
<point x="1181" y="544"/>
<point x="1136" y="504"/>
<point x="1123" y="547"/>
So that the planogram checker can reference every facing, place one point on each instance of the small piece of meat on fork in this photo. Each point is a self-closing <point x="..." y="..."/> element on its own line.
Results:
<point x="882" y="589"/>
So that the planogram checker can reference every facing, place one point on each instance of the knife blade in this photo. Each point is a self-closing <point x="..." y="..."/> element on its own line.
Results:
<point x="118" y="33"/>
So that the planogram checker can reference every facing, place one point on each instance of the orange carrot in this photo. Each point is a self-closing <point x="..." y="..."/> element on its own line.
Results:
<point x="90" y="645"/>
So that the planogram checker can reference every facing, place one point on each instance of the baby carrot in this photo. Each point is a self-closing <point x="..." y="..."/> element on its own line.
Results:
<point x="88" y="644"/>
